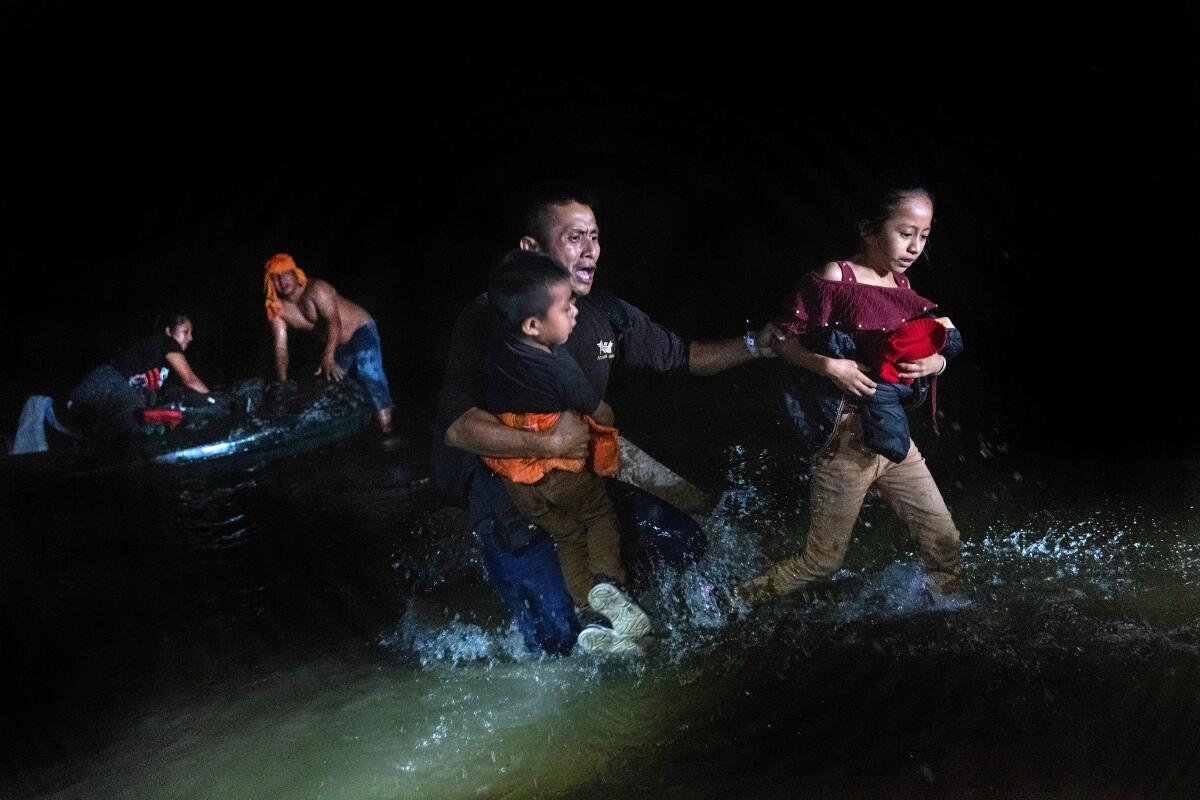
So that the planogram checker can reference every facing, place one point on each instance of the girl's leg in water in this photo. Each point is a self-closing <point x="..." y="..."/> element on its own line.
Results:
<point x="914" y="495"/>
<point x="843" y="473"/>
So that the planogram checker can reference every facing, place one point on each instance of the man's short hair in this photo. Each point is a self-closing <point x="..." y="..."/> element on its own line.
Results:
<point x="519" y="287"/>
<point x="535" y="218"/>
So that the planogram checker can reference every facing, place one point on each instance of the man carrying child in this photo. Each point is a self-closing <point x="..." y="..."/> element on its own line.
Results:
<point x="521" y="562"/>
<point x="529" y="382"/>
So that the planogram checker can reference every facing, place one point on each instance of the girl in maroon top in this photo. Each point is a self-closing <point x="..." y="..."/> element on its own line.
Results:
<point x="867" y="296"/>
<point x="888" y="329"/>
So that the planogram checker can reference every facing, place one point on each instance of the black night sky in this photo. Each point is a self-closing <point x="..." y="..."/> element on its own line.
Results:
<point x="155" y="164"/>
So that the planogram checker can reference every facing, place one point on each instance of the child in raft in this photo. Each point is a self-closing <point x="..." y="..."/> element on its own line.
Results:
<point x="529" y="382"/>
<point x="863" y="309"/>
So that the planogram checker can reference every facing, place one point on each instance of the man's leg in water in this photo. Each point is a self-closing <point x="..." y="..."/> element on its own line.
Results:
<point x="362" y="359"/>
<point x="530" y="583"/>
<point x="840" y="480"/>
<point x="653" y="528"/>
<point x="914" y="495"/>
<point x="549" y="624"/>
<point x="528" y="578"/>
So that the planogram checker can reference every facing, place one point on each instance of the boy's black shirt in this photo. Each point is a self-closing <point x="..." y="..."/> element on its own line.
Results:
<point x="524" y="379"/>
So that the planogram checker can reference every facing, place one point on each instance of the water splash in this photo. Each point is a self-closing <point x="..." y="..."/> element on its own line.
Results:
<point x="1058" y="564"/>
<point x="436" y="642"/>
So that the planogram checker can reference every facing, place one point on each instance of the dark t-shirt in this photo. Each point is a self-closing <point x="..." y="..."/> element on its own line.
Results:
<point x="524" y="379"/>
<point x="593" y="345"/>
<point x="145" y="354"/>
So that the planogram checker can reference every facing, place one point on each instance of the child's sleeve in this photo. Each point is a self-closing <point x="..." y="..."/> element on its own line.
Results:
<point x="578" y="394"/>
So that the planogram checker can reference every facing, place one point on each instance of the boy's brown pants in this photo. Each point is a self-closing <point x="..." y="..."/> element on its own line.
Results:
<point x="575" y="509"/>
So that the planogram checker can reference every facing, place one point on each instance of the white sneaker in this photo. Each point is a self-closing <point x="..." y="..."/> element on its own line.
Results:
<point x="599" y="639"/>
<point x="627" y="617"/>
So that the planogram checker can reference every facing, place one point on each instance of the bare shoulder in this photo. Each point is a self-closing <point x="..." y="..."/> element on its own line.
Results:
<point x="832" y="271"/>
<point x="318" y="287"/>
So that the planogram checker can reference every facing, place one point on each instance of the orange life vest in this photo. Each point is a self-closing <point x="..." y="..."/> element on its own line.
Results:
<point x="604" y="454"/>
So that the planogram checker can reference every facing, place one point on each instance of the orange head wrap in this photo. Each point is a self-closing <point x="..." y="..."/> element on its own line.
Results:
<point x="277" y="264"/>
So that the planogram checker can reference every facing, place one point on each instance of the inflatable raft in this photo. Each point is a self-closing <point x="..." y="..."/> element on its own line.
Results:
<point x="247" y="426"/>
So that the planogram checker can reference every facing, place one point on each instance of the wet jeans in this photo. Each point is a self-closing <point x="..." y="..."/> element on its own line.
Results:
<point x="841" y="477"/>
<point x="362" y="359"/>
<point x="530" y="582"/>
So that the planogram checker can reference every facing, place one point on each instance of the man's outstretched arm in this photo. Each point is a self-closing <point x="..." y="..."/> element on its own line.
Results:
<point x="709" y="358"/>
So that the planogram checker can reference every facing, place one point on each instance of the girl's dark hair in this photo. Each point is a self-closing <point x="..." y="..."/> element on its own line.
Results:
<point x="878" y="206"/>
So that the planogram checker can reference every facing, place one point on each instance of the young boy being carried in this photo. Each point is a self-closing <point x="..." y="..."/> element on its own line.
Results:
<point x="528" y="384"/>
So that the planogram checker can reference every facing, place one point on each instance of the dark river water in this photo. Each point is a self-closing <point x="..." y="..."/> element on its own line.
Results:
<point x="315" y="628"/>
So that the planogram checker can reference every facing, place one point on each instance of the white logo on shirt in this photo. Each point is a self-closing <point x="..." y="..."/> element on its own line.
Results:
<point x="606" y="350"/>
